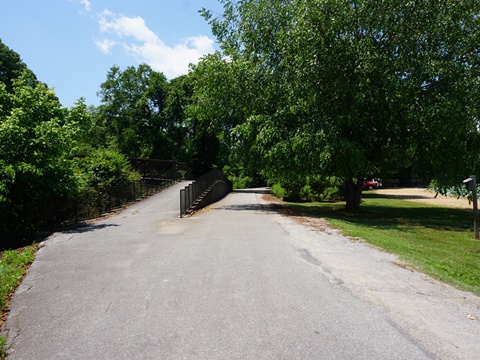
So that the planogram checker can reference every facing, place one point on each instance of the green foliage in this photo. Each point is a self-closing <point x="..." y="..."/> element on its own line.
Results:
<point x="141" y="114"/>
<point x="240" y="178"/>
<point x="37" y="144"/>
<point x="12" y="67"/>
<point x="104" y="168"/>
<point x="279" y="191"/>
<point x="177" y="100"/>
<point x="312" y="189"/>
<point x="3" y="347"/>
<point x="223" y="97"/>
<point x="346" y="89"/>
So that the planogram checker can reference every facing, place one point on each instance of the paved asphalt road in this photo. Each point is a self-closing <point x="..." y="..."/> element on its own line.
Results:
<point x="229" y="283"/>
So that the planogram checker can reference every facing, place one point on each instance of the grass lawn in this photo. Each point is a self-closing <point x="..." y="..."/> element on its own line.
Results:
<point x="435" y="240"/>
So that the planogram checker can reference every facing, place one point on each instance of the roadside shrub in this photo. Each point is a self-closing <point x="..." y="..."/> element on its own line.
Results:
<point x="240" y="178"/>
<point x="105" y="168"/>
<point x="279" y="191"/>
<point x="307" y="193"/>
<point x="313" y="189"/>
<point x="327" y="189"/>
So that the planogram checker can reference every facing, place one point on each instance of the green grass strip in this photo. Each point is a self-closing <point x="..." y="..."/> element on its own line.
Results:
<point x="13" y="266"/>
<point x="435" y="240"/>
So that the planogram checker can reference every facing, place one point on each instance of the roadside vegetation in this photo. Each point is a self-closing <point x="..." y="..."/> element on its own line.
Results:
<point x="13" y="267"/>
<point x="435" y="240"/>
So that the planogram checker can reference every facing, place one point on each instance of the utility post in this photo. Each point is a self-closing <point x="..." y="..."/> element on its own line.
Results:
<point x="471" y="184"/>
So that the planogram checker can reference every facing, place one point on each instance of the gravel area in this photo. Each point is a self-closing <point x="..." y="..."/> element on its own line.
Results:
<point x="426" y="196"/>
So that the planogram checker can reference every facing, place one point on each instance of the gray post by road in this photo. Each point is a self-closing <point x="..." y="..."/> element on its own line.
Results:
<point x="475" y="205"/>
<point x="471" y="184"/>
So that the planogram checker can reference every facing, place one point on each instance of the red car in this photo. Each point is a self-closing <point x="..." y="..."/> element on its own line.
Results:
<point x="372" y="184"/>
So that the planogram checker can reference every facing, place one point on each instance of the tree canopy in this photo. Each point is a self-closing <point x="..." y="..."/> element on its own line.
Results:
<point x="141" y="114"/>
<point x="37" y="144"/>
<point x="12" y="66"/>
<point x="354" y="88"/>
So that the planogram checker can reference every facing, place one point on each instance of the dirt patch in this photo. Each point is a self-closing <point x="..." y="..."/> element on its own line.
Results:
<point x="425" y="196"/>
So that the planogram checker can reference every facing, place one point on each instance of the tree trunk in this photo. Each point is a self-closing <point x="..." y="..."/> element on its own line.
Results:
<point x="353" y="193"/>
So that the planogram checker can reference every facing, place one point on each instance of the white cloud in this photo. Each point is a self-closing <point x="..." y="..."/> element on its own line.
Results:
<point x="141" y="42"/>
<point x="105" y="45"/>
<point x="87" y="5"/>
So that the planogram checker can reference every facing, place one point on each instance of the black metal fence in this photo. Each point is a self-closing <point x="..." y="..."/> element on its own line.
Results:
<point x="96" y="202"/>
<point x="93" y="203"/>
<point x="159" y="169"/>
<point x="202" y="191"/>
<point x="20" y="223"/>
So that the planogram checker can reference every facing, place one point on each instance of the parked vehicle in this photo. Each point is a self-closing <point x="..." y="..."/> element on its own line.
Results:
<point x="372" y="184"/>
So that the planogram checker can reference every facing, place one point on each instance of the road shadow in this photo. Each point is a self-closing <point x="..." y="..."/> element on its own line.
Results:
<point x="73" y="229"/>
<point x="84" y="228"/>
<point x="241" y="207"/>
<point x="254" y="191"/>
<point x="245" y="207"/>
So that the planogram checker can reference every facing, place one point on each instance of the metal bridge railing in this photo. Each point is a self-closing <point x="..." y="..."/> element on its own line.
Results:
<point x="191" y="197"/>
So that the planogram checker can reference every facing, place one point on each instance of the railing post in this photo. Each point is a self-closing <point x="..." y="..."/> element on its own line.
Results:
<point x="190" y="195"/>
<point x="75" y="204"/>
<point x="183" y="208"/>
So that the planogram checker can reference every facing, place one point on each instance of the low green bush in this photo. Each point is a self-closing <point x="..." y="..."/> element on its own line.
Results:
<point x="105" y="168"/>
<point x="279" y="191"/>
<point x="313" y="189"/>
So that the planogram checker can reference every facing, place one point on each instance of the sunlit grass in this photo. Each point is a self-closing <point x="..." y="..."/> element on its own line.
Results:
<point x="13" y="266"/>
<point x="435" y="240"/>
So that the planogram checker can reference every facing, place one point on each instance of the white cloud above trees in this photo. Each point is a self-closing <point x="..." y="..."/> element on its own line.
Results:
<point x="134" y="37"/>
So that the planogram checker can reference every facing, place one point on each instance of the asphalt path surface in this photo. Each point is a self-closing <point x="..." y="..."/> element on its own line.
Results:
<point x="236" y="282"/>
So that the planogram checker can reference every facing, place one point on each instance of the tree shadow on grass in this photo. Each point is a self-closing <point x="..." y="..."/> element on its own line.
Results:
<point x="381" y="215"/>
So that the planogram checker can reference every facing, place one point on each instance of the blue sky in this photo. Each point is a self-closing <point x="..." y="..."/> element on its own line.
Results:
<point x="72" y="44"/>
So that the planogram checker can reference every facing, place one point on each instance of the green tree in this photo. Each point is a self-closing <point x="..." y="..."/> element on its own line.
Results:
<point x="357" y="87"/>
<point x="37" y="144"/>
<point x="12" y="66"/>
<point x="178" y="98"/>
<point x="225" y="94"/>
<point x="132" y="112"/>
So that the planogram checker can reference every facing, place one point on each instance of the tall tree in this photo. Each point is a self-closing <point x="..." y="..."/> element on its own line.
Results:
<point x="37" y="144"/>
<point x="178" y="98"/>
<point x="358" y="87"/>
<point x="132" y="111"/>
<point x="12" y="66"/>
